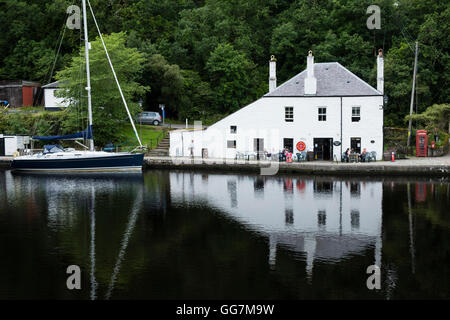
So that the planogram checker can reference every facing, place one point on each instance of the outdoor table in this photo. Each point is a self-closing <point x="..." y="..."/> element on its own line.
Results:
<point x="353" y="157"/>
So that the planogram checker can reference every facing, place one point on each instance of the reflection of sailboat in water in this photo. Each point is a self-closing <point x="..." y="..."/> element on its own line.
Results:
<point x="56" y="158"/>
<point x="124" y="244"/>
<point x="69" y="198"/>
<point x="320" y="220"/>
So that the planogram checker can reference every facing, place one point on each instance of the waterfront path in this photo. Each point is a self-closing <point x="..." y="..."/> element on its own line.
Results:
<point x="438" y="166"/>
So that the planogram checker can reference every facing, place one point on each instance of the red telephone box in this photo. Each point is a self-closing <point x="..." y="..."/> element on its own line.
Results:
<point x="421" y="143"/>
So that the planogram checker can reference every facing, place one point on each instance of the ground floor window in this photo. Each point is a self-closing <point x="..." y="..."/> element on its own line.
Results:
<point x="231" y="144"/>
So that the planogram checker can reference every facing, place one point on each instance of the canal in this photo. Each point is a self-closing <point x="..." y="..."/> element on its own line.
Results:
<point x="184" y="235"/>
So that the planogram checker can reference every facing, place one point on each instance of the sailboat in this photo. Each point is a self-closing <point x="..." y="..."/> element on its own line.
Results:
<point x="55" y="158"/>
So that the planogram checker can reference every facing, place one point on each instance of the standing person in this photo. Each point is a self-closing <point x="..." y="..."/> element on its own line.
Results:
<point x="191" y="147"/>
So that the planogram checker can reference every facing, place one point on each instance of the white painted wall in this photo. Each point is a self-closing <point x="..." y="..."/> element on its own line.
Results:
<point x="265" y="118"/>
<point x="51" y="101"/>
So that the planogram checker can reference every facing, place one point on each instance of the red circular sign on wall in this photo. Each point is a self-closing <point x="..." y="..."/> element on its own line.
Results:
<point x="301" y="146"/>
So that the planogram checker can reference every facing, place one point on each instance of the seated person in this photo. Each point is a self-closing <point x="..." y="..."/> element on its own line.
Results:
<point x="363" y="155"/>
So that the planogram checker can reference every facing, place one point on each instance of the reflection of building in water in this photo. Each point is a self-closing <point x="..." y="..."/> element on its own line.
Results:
<point x="325" y="219"/>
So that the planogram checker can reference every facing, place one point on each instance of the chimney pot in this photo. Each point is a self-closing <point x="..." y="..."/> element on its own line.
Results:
<point x="310" y="80"/>
<point x="272" y="73"/>
<point x="380" y="71"/>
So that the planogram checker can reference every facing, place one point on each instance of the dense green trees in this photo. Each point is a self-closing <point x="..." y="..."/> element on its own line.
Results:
<point x="205" y="58"/>
<point x="106" y="100"/>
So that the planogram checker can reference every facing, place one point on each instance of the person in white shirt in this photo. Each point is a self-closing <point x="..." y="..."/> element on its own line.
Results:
<point x="191" y="147"/>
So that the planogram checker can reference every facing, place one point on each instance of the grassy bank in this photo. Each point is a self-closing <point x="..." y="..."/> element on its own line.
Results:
<point x="149" y="135"/>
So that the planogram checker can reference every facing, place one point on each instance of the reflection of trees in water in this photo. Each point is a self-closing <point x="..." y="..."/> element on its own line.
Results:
<point x="416" y="239"/>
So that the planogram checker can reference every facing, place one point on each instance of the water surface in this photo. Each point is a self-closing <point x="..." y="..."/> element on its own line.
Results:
<point x="182" y="235"/>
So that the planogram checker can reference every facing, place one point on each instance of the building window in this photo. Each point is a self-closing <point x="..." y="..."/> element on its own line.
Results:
<point x="233" y="129"/>
<point x="321" y="218"/>
<point x="231" y="144"/>
<point x="356" y="114"/>
<point x="322" y="114"/>
<point x="289" y="114"/>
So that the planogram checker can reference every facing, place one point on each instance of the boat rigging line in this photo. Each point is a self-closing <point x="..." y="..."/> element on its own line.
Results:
<point x="115" y="76"/>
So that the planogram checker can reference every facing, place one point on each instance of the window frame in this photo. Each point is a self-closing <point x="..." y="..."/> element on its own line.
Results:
<point x="289" y="114"/>
<point x="356" y="117"/>
<point x="322" y="113"/>
<point x="234" y="144"/>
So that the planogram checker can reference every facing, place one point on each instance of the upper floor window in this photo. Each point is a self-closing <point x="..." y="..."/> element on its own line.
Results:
<point x="356" y="113"/>
<point x="233" y="129"/>
<point x="289" y="114"/>
<point x="322" y="114"/>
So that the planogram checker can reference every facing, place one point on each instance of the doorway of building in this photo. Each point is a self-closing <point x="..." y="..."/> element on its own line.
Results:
<point x="289" y="144"/>
<point x="323" y="149"/>
<point x="2" y="147"/>
<point x="355" y="144"/>
<point x="258" y="147"/>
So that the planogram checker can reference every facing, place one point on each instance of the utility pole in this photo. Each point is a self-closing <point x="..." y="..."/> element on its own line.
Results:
<point x="412" y="95"/>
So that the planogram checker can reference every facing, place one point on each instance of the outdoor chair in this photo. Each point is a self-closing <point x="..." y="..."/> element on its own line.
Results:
<point x="301" y="156"/>
<point x="240" y="155"/>
<point x="365" y="157"/>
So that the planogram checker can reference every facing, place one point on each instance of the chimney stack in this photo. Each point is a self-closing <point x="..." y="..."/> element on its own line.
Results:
<point x="380" y="71"/>
<point x="272" y="73"/>
<point x="310" y="80"/>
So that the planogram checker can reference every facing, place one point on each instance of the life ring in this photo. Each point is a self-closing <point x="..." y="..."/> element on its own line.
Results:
<point x="301" y="146"/>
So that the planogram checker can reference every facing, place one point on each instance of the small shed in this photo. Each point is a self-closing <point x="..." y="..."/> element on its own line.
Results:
<point x="9" y="144"/>
<point x="18" y="93"/>
<point x="53" y="103"/>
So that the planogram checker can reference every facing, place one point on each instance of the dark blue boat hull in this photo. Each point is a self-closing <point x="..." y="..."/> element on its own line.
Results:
<point x="109" y="163"/>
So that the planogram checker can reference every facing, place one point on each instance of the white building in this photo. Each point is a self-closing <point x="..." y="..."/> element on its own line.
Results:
<point x="326" y="107"/>
<point x="9" y="144"/>
<point x="53" y="103"/>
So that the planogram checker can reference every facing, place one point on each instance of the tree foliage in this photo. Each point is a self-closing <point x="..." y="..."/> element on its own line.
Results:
<point x="108" y="109"/>
<point x="435" y="118"/>
<point x="205" y="57"/>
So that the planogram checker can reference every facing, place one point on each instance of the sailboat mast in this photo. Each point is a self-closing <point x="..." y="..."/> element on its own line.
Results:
<point x="88" y="76"/>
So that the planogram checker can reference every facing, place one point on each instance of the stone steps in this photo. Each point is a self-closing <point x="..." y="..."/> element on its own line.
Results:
<point x="162" y="149"/>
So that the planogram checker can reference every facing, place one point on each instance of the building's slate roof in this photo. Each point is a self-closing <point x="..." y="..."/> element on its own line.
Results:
<point x="333" y="79"/>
